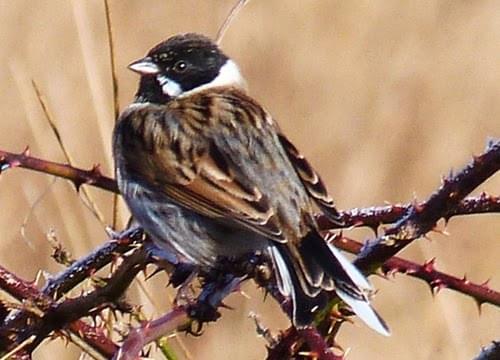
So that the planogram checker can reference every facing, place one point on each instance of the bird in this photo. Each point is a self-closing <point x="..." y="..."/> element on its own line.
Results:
<point x="208" y="174"/>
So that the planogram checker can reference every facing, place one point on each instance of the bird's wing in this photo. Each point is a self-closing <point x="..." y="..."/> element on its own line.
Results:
<point x="216" y="191"/>
<point x="203" y="160"/>
<point x="311" y="180"/>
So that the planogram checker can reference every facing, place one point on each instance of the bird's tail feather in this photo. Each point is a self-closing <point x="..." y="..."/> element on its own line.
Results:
<point x="301" y="280"/>
<point x="361" y="307"/>
<point x="366" y="312"/>
<point x="303" y="304"/>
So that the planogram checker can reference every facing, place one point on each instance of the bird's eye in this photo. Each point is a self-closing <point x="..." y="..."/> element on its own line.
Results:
<point x="180" y="66"/>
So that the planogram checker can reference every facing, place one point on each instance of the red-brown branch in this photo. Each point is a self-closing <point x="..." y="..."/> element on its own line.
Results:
<point x="371" y="217"/>
<point x="423" y="218"/>
<point x="437" y="280"/>
<point x="413" y="221"/>
<point x="77" y="176"/>
<point x="26" y="291"/>
<point x="375" y="216"/>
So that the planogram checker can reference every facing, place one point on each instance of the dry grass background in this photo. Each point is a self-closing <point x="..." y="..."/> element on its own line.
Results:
<point x="384" y="97"/>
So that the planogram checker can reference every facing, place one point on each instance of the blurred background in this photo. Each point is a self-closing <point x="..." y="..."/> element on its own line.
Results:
<point x="383" y="97"/>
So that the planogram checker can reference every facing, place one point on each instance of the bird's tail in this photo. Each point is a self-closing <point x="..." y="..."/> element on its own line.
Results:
<point x="303" y="271"/>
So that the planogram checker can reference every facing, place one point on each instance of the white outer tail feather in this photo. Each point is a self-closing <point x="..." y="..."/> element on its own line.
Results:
<point x="351" y="270"/>
<point x="362" y="308"/>
<point x="283" y="278"/>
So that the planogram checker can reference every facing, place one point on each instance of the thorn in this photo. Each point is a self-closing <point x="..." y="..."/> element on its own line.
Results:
<point x="225" y="306"/>
<point x="428" y="266"/>
<point x="155" y="271"/>
<point x="436" y="286"/>
<point x="492" y="143"/>
<point x="386" y="272"/>
<point x="464" y="279"/>
<point x="266" y="293"/>
<point x="78" y="184"/>
<point x="262" y="331"/>
<point x="418" y="207"/>
<point x="373" y="228"/>
<point x="486" y="284"/>
<point x="38" y="277"/>
<point x="114" y="314"/>
<point x="244" y="294"/>
<point x="479" y="303"/>
<point x="337" y="315"/>
<point x="444" y="180"/>
<point x="112" y="234"/>
<point x="309" y="354"/>
<point x="96" y="170"/>
<point x="433" y="290"/>
<point x="443" y="232"/>
<point x="26" y="151"/>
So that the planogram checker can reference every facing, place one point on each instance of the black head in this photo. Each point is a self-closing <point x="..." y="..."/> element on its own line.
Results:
<point x="182" y="65"/>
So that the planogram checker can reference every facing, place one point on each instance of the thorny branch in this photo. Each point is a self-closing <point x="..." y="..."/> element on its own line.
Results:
<point x="58" y="286"/>
<point x="108" y="295"/>
<point x="437" y="280"/>
<point x="375" y="216"/>
<point x="410" y="222"/>
<point x="77" y="176"/>
<point x="371" y="217"/>
<point x="27" y="292"/>
<point x="422" y="218"/>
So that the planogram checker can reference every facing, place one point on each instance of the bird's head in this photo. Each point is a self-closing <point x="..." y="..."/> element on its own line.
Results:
<point x="183" y="65"/>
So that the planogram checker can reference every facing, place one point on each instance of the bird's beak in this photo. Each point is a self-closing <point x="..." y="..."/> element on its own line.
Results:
<point x="144" y="66"/>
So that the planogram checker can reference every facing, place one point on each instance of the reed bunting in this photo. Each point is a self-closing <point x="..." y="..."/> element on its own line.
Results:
<point x="208" y="174"/>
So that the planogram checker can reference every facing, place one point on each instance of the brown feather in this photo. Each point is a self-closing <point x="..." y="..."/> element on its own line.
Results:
<point x="311" y="180"/>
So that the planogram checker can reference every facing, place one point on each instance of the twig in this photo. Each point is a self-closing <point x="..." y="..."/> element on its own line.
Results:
<point x="77" y="176"/>
<point x="73" y="309"/>
<point x="422" y="219"/>
<point x="418" y="220"/>
<point x="437" y="280"/>
<point x="81" y="269"/>
<point x="89" y="202"/>
<point x="371" y="217"/>
<point x="150" y="331"/>
<point x="114" y="82"/>
<point x="375" y="216"/>
<point x="26" y="292"/>
<point x="318" y="347"/>
<point x="111" y="45"/>
<point x="64" y="282"/>
<point x="235" y="10"/>
<point x="19" y="352"/>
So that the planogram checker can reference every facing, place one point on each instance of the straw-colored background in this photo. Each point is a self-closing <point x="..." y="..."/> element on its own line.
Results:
<point x="384" y="97"/>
